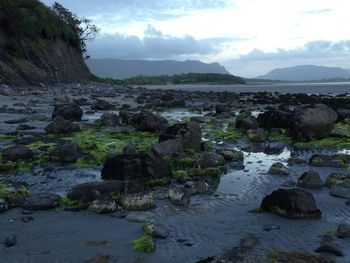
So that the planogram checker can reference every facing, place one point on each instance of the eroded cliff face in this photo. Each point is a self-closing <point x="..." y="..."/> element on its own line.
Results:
<point x="44" y="61"/>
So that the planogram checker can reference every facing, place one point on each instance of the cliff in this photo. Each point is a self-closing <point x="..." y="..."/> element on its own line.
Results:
<point x="36" y="46"/>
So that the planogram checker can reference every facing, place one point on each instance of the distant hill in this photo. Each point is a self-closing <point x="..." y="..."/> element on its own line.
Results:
<point x="122" y="69"/>
<point x="307" y="73"/>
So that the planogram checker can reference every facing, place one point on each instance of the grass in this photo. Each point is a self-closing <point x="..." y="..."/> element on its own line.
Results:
<point x="144" y="243"/>
<point x="12" y="193"/>
<point x="277" y="210"/>
<point x="158" y="182"/>
<point x="180" y="174"/>
<point x="73" y="204"/>
<point x="7" y="136"/>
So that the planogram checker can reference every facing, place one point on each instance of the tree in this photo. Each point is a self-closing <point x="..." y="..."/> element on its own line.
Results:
<point x="82" y="27"/>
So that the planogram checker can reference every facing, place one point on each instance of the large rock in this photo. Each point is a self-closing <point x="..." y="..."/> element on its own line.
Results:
<point x="88" y="192"/>
<point x="17" y="152"/>
<point x="147" y="121"/>
<point x="41" y="201"/>
<point x="61" y="126"/>
<point x="138" y="167"/>
<point x="312" y="123"/>
<point x="109" y="119"/>
<point x="101" y="105"/>
<point x="70" y="112"/>
<point x="341" y="190"/>
<point x="275" y="118"/>
<point x="247" y="122"/>
<point x="178" y="138"/>
<point x="310" y="179"/>
<point x="337" y="161"/>
<point x="68" y="152"/>
<point x="211" y="160"/>
<point x="291" y="203"/>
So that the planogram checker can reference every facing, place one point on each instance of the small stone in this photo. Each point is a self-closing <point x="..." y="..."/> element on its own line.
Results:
<point x="330" y="248"/>
<point x="343" y="231"/>
<point x="141" y="217"/>
<point x="10" y="241"/>
<point x="26" y="219"/>
<point x="179" y="196"/>
<point x="159" y="231"/>
<point x="278" y="169"/>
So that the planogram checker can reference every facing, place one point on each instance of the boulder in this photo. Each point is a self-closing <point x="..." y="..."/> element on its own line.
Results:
<point x="312" y="123"/>
<point x="257" y="135"/>
<point x="147" y="121"/>
<point x="71" y="112"/>
<point x="109" y="119"/>
<point x="246" y="122"/>
<point x="341" y="190"/>
<point x="179" y="195"/>
<point x="278" y="169"/>
<point x="41" y="201"/>
<point x="61" y="126"/>
<point x="68" y="152"/>
<point x="222" y="108"/>
<point x="291" y="203"/>
<point x="310" y="179"/>
<point x="17" y="152"/>
<point x="178" y="138"/>
<point x="211" y="160"/>
<point x="337" y="161"/>
<point x="138" y="203"/>
<point x="232" y="155"/>
<point x="275" y="118"/>
<point x="336" y="178"/>
<point x="343" y="231"/>
<point x="88" y="192"/>
<point x="135" y="167"/>
<point x="101" y="105"/>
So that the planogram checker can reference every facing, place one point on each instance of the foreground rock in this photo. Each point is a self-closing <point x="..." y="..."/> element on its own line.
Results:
<point x="135" y="167"/>
<point x="61" y="126"/>
<point x="312" y="123"/>
<point x="341" y="190"/>
<point x="147" y="121"/>
<point x="291" y="203"/>
<point x="310" y="179"/>
<point x="337" y="161"/>
<point x="178" y="138"/>
<point x="41" y="201"/>
<point x="71" y="112"/>
<point x="297" y="257"/>
<point x="17" y="152"/>
<point x="88" y="192"/>
<point x="68" y="152"/>
<point x="278" y="169"/>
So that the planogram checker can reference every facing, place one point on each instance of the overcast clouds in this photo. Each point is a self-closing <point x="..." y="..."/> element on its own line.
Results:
<point x="249" y="37"/>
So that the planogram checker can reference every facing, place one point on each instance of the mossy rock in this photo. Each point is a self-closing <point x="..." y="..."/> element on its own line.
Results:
<point x="337" y="178"/>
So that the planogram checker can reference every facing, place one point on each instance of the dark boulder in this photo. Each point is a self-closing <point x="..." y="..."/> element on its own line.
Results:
<point x="211" y="160"/>
<point x="68" y="152"/>
<point x="88" y="192"/>
<point x="275" y="118"/>
<point x="17" y="152"/>
<point x="147" y="121"/>
<point x="222" y="108"/>
<point x="41" y="201"/>
<point x="70" y="112"/>
<point x="109" y="119"/>
<point x="312" y="123"/>
<point x="135" y="167"/>
<point x="101" y="105"/>
<point x="291" y="203"/>
<point x="178" y="138"/>
<point x="337" y="161"/>
<point x="246" y="122"/>
<point x="343" y="231"/>
<point x="61" y="126"/>
<point x="310" y="179"/>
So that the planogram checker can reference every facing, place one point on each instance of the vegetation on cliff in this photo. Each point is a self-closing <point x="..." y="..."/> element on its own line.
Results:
<point x="32" y="19"/>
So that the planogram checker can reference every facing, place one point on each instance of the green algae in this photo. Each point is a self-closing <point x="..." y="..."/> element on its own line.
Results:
<point x="144" y="243"/>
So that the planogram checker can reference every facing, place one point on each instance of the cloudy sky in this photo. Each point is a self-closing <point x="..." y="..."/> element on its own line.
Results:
<point x="248" y="37"/>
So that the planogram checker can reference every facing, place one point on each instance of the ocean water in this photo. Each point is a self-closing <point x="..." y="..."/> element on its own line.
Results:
<point x="309" y="88"/>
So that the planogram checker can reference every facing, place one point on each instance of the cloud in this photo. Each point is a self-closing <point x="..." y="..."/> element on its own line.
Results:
<point x="312" y="49"/>
<point x="154" y="45"/>
<point x="317" y="12"/>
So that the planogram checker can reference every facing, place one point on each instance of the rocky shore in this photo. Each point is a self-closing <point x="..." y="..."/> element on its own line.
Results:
<point x="105" y="173"/>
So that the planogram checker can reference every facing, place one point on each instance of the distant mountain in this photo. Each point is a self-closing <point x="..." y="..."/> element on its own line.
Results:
<point x="122" y="69"/>
<point x="307" y="73"/>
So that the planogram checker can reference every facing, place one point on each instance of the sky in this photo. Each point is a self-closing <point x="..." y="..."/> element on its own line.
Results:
<point x="248" y="37"/>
